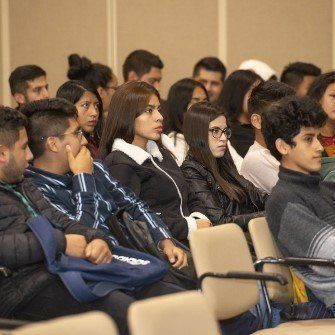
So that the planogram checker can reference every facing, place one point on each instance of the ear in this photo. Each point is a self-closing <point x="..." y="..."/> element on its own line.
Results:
<point x="4" y="154"/>
<point x="255" y="120"/>
<point x="52" y="144"/>
<point x="101" y="91"/>
<point x="282" y="146"/>
<point x="132" y="76"/>
<point x="19" y="98"/>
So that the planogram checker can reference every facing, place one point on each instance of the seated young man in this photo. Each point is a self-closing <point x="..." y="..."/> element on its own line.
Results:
<point x="258" y="165"/>
<point x="300" y="76"/>
<point x="66" y="174"/>
<point x="29" y="291"/>
<point x="300" y="210"/>
<point x="144" y="66"/>
<point x="28" y="83"/>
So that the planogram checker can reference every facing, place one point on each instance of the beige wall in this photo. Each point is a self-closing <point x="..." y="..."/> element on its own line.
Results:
<point x="1" y="52"/>
<point x="179" y="31"/>
<point x="45" y="32"/>
<point x="279" y="32"/>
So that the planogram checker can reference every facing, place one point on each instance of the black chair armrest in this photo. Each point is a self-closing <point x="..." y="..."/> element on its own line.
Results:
<point x="11" y="324"/>
<point x="249" y="275"/>
<point x="294" y="261"/>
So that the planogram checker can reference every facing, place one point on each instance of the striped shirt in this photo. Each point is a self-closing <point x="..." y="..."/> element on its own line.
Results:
<point x="92" y="199"/>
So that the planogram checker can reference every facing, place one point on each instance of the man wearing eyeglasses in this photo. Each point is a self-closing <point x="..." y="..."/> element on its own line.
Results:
<point x="66" y="174"/>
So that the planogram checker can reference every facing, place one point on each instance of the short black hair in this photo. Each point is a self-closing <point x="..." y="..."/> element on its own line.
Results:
<point x="320" y="84"/>
<point x="140" y="61"/>
<point x="18" y="79"/>
<point x="294" y="73"/>
<point x="285" y="120"/>
<point x="11" y="120"/>
<point x="267" y="93"/>
<point x="210" y="64"/>
<point x="49" y="117"/>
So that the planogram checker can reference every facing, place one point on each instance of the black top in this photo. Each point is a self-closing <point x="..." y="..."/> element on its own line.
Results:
<point x="242" y="137"/>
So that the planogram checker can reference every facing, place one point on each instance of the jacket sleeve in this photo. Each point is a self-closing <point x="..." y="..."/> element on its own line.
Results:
<point x="68" y="225"/>
<point x="215" y="212"/>
<point x="84" y="196"/>
<point x="202" y="191"/>
<point x="125" y="197"/>
<point x="21" y="249"/>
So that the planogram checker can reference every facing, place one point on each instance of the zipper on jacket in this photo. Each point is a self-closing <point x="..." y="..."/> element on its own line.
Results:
<point x="177" y="188"/>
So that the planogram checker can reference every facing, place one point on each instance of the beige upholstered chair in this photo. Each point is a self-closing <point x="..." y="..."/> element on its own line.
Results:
<point x="83" y="324"/>
<point x="265" y="247"/>
<point x="224" y="249"/>
<point x="175" y="314"/>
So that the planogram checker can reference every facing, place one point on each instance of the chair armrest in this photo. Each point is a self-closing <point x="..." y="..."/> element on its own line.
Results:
<point x="294" y="261"/>
<point x="249" y="275"/>
<point x="11" y="324"/>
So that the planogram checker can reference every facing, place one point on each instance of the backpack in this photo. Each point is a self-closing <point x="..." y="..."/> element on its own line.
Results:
<point x="134" y="234"/>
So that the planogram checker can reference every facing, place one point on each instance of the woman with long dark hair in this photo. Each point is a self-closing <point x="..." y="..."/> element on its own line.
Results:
<point x="89" y="107"/>
<point x="133" y="153"/>
<point x="182" y="95"/>
<point x="234" y="100"/>
<point x="211" y="172"/>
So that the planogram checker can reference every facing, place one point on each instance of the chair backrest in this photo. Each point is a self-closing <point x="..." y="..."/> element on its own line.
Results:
<point x="265" y="246"/>
<point x="83" y="324"/>
<point x="177" y="314"/>
<point x="223" y="249"/>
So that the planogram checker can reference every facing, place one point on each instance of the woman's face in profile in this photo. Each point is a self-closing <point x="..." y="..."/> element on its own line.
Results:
<point x="149" y="125"/>
<point x="218" y="135"/>
<point x="198" y="95"/>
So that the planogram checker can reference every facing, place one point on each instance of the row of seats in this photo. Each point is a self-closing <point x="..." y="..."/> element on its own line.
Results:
<point x="221" y="250"/>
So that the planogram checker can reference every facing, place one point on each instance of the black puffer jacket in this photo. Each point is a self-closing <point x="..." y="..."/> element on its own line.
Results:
<point x="220" y="209"/>
<point x="21" y="252"/>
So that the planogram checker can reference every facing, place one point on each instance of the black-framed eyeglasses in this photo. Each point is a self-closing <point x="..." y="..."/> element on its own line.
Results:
<point x="217" y="132"/>
<point x="79" y="133"/>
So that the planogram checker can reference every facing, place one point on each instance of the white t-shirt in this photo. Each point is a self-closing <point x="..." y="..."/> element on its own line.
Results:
<point x="260" y="167"/>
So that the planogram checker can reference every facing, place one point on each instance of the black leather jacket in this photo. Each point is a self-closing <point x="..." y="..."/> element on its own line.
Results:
<point x="220" y="209"/>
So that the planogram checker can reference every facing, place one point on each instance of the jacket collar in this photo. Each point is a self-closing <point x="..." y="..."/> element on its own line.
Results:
<point x="136" y="153"/>
<point x="311" y="181"/>
<point x="48" y="178"/>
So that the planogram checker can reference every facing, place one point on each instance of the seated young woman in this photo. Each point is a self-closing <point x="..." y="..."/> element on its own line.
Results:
<point x="89" y="107"/>
<point x="132" y="151"/>
<point x="210" y="170"/>
<point x="182" y="95"/>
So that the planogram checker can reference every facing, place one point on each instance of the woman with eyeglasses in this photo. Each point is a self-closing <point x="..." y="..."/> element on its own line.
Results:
<point x="89" y="107"/>
<point x="211" y="172"/>
<point x="133" y="153"/>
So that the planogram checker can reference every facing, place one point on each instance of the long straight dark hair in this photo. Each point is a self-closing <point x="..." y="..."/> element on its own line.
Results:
<point x="129" y="101"/>
<point x="196" y="126"/>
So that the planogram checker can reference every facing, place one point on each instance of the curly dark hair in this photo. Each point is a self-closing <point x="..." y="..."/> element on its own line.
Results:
<point x="285" y="120"/>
